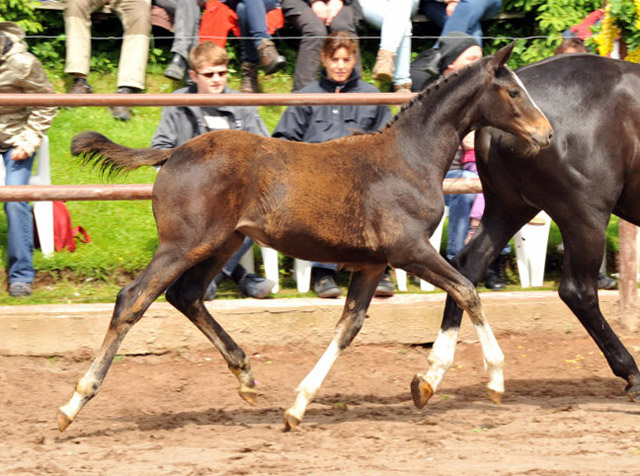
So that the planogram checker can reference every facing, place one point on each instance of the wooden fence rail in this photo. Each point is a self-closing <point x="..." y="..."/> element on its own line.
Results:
<point x="39" y="193"/>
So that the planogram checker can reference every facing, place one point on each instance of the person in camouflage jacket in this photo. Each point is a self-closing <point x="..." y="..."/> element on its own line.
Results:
<point x="22" y="130"/>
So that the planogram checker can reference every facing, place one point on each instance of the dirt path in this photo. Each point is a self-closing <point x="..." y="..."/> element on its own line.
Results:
<point x="178" y="414"/>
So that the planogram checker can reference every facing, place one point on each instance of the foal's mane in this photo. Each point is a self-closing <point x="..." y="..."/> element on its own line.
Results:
<point x="431" y="88"/>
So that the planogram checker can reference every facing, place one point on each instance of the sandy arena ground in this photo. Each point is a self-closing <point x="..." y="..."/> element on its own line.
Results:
<point x="177" y="414"/>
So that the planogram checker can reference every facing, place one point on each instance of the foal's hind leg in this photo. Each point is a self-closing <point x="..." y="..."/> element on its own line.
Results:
<point x="133" y="300"/>
<point x="186" y="295"/>
<point x="430" y="266"/>
<point x="361" y="289"/>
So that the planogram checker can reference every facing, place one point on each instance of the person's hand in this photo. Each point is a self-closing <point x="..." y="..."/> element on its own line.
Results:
<point x="19" y="153"/>
<point x="320" y="9"/>
<point x="333" y="8"/>
<point x="451" y="6"/>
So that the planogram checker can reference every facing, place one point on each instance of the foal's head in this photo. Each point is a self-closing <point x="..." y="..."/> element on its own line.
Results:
<point x="507" y="105"/>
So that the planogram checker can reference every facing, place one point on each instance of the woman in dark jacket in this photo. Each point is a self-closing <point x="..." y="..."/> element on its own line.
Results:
<point x="315" y="19"/>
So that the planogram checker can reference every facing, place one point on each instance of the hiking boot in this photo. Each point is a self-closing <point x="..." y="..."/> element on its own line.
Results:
<point x="18" y="289"/>
<point x="122" y="113"/>
<point x="177" y="68"/>
<point x="270" y="59"/>
<point x="605" y="282"/>
<point x="385" y="287"/>
<point x="80" y="86"/>
<point x="249" y="78"/>
<point x="255" y="286"/>
<point x="212" y="290"/>
<point x="404" y="88"/>
<point x="383" y="69"/>
<point x="324" y="284"/>
<point x="493" y="279"/>
<point x="432" y="62"/>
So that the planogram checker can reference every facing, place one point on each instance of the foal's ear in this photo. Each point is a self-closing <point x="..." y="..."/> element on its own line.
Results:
<point x="501" y="57"/>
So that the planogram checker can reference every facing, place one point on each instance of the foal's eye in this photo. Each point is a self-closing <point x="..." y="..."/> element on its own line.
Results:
<point x="514" y="93"/>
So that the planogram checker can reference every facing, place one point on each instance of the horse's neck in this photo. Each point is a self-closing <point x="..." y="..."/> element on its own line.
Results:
<point x="437" y="122"/>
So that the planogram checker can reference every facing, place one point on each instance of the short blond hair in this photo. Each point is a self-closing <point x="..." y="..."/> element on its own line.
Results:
<point x="208" y="53"/>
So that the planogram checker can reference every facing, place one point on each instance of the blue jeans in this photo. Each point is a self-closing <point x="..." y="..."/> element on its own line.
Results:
<point x="393" y="17"/>
<point x="459" y="210"/>
<point x="465" y="18"/>
<point x="19" y="222"/>
<point x="251" y="18"/>
<point x="237" y="256"/>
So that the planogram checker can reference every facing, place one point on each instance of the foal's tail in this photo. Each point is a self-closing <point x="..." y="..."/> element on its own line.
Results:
<point x="112" y="158"/>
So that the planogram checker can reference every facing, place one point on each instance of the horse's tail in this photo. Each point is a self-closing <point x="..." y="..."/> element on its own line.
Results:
<point x="113" y="158"/>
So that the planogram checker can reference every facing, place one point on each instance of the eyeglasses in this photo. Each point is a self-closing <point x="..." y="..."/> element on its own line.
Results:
<point x="211" y="74"/>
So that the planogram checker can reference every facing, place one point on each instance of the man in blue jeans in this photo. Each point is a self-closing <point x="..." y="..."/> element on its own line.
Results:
<point x="21" y="132"/>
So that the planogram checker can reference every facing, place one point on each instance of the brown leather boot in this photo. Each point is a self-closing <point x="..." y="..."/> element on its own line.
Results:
<point x="404" y="88"/>
<point x="383" y="69"/>
<point x="270" y="59"/>
<point x="249" y="78"/>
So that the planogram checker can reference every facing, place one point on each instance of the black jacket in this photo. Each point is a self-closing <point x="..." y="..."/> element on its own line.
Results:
<point x="322" y="123"/>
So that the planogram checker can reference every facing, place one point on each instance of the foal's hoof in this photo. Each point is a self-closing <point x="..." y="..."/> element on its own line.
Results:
<point x="249" y="395"/>
<point x="290" y="421"/>
<point x="495" y="396"/>
<point x="633" y="392"/>
<point x="63" y="420"/>
<point x="421" y="391"/>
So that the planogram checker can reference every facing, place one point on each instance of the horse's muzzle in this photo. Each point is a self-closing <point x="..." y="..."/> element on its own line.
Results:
<point x="542" y="135"/>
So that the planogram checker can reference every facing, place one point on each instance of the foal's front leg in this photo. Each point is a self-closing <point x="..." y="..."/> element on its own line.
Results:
<point x="361" y="289"/>
<point x="432" y="267"/>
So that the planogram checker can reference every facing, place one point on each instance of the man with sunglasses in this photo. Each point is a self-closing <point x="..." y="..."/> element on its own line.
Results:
<point x="208" y="70"/>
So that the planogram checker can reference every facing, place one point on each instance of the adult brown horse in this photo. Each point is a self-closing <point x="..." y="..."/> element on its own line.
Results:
<point x="365" y="201"/>
<point x="591" y="170"/>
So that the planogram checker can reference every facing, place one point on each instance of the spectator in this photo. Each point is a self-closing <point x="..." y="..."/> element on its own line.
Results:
<point x="322" y="123"/>
<point x="456" y="16"/>
<point x="394" y="54"/>
<point x="208" y="70"/>
<point x="186" y="25"/>
<point x="136" y="21"/>
<point x="457" y="50"/>
<point x="21" y="132"/>
<point x="571" y="45"/>
<point x="255" y="21"/>
<point x="315" y="19"/>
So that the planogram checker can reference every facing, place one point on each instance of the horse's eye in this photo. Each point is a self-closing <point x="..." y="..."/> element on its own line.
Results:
<point x="514" y="93"/>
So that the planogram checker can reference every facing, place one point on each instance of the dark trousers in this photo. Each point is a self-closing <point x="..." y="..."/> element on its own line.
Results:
<point x="313" y="31"/>
<point x="253" y="26"/>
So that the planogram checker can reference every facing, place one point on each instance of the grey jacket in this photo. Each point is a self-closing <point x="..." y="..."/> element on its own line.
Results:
<point x="178" y="124"/>
<point x="21" y="72"/>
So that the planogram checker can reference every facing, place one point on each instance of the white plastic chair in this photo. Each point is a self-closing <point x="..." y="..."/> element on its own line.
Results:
<point x="531" y="250"/>
<point x="42" y="211"/>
